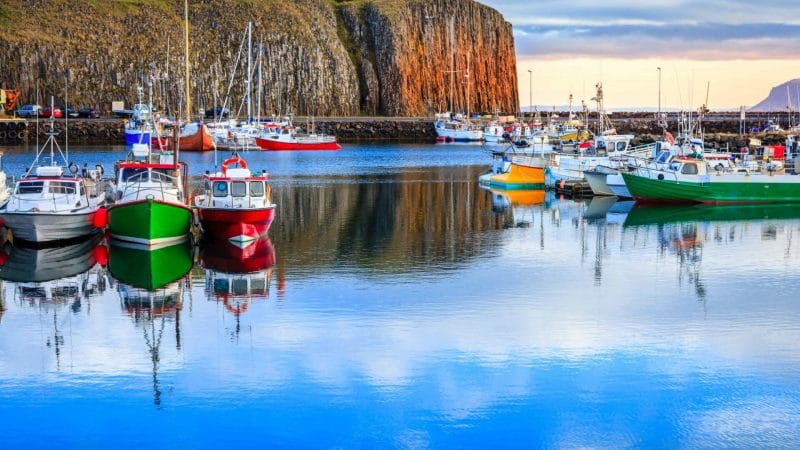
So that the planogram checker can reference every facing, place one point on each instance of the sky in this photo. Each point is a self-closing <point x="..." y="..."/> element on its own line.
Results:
<point x="736" y="49"/>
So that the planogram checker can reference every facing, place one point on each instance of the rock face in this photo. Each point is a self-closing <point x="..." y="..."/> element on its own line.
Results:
<point x="780" y="98"/>
<point x="320" y="57"/>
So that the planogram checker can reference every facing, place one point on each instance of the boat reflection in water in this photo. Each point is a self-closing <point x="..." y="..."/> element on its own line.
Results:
<point x="685" y="230"/>
<point x="520" y="204"/>
<point x="55" y="275"/>
<point x="151" y="286"/>
<point x="238" y="276"/>
<point x="51" y="279"/>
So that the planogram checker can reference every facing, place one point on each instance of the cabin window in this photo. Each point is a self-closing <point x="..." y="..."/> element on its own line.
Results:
<point x="220" y="189"/>
<point x="83" y="190"/>
<point x="621" y="146"/>
<point x="674" y="167"/>
<point x="163" y="175"/>
<point x="258" y="286"/>
<point x="131" y="173"/>
<point x="662" y="157"/>
<point x="689" y="169"/>
<point x="60" y="187"/>
<point x="256" y="189"/>
<point x="35" y="187"/>
<point x="238" y="189"/>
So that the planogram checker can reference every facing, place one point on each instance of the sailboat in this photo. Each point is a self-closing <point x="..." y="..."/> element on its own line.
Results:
<point x="451" y="127"/>
<point x="195" y="136"/>
<point x="47" y="206"/>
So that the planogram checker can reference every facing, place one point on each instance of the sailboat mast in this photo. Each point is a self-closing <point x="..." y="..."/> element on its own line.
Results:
<point x="187" y="94"/>
<point x="467" y="77"/>
<point x="249" y="70"/>
<point x="452" y="61"/>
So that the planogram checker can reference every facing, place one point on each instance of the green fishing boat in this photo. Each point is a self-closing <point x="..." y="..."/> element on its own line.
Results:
<point x="689" y="180"/>
<point x="150" y="208"/>
<point x="149" y="268"/>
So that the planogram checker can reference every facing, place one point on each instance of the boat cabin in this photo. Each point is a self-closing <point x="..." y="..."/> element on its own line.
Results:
<point x="149" y="174"/>
<point x="235" y="187"/>
<point x="688" y="166"/>
<point x="48" y="191"/>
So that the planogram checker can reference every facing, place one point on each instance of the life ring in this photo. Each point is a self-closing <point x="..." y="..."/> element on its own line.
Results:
<point x="242" y="164"/>
<point x="73" y="168"/>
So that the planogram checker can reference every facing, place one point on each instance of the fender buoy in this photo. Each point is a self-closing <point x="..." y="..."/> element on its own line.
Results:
<point x="242" y="164"/>
<point x="100" y="218"/>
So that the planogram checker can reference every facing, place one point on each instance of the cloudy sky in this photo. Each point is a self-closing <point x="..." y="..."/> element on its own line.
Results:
<point x="742" y="48"/>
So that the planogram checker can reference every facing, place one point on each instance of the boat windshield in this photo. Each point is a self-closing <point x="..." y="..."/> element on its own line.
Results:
<point x="662" y="157"/>
<point x="256" y="189"/>
<point x="162" y="175"/>
<point x="128" y="174"/>
<point x="61" y="187"/>
<point x="30" y="187"/>
<point x="239" y="189"/>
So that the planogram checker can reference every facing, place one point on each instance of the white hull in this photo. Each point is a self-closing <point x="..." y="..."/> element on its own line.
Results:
<point x="48" y="227"/>
<point x="617" y="186"/>
<point x="597" y="181"/>
<point x="459" y="134"/>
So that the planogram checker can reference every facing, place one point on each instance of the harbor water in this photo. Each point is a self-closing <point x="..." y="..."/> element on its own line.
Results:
<point x="397" y="304"/>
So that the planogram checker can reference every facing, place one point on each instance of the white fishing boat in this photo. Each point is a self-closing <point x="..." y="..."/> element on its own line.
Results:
<point x="48" y="206"/>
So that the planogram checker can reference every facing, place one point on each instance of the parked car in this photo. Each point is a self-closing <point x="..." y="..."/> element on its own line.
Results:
<point x="29" y="111"/>
<point x="55" y="112"/>
<point x="88" y="113"/>
<point x="69" y="112"/>
<point x="218" y="112"/>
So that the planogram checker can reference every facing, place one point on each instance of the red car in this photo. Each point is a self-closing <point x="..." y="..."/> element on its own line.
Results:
<point x="55" y="112"/>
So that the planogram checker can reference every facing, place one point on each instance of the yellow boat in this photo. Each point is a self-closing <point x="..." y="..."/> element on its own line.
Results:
<point x="523" y="173"/>
<point x="522" y="197"/>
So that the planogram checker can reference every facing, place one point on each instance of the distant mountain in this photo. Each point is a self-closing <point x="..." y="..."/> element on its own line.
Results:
<point x="780" y="97"/>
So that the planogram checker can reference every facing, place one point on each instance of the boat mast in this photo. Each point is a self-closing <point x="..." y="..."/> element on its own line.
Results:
<point x="247" y="82"/>
<point x="452" y="61"/>
<point x="187" y="94"/>
<point x="466" y="75"/>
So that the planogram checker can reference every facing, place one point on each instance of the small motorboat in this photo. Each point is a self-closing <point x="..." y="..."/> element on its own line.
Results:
<point x="235" y="203"/>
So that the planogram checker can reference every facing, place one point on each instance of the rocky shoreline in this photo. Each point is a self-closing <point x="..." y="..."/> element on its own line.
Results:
<point x="719" y="132"/>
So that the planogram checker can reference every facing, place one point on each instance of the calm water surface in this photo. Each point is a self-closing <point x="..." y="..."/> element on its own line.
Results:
<point x="397" y="304"/>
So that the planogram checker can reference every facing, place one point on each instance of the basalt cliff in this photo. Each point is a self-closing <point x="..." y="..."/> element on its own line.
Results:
<point x="324" y="58"/>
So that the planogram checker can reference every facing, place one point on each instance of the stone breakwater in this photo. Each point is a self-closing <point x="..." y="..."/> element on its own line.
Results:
<point x="719" y="132"/>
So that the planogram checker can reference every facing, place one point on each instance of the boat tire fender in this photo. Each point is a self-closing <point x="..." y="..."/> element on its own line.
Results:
<point x="661" y="176"/>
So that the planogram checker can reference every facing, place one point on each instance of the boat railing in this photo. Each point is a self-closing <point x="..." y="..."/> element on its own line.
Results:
<point x="137" y="184"/>
<point x="648" y="171"/>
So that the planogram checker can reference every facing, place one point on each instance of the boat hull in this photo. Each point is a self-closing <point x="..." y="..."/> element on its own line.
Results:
<point x="149" y="222"/>
<point x="236" y="225"/>
<point x="598" y="182"/>
<point x="137" y="137"/>
<point x="275" y="145"/>
<point x="519" y="176"/>
<point x="200" y="141"/>
<point x="617" y="186"/>
<point x="44" y="227"/>
<point x="758" y="189"/>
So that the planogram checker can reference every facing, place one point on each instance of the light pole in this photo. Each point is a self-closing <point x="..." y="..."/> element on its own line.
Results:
<point x="530" y="94"/>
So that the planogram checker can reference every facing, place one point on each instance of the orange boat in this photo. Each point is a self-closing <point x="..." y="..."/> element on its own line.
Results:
<point x="194" y="138"/>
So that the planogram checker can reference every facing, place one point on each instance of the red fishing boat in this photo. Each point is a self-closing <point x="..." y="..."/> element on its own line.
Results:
<point x="235" y="203"/>
<point x="287" y="138"/>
